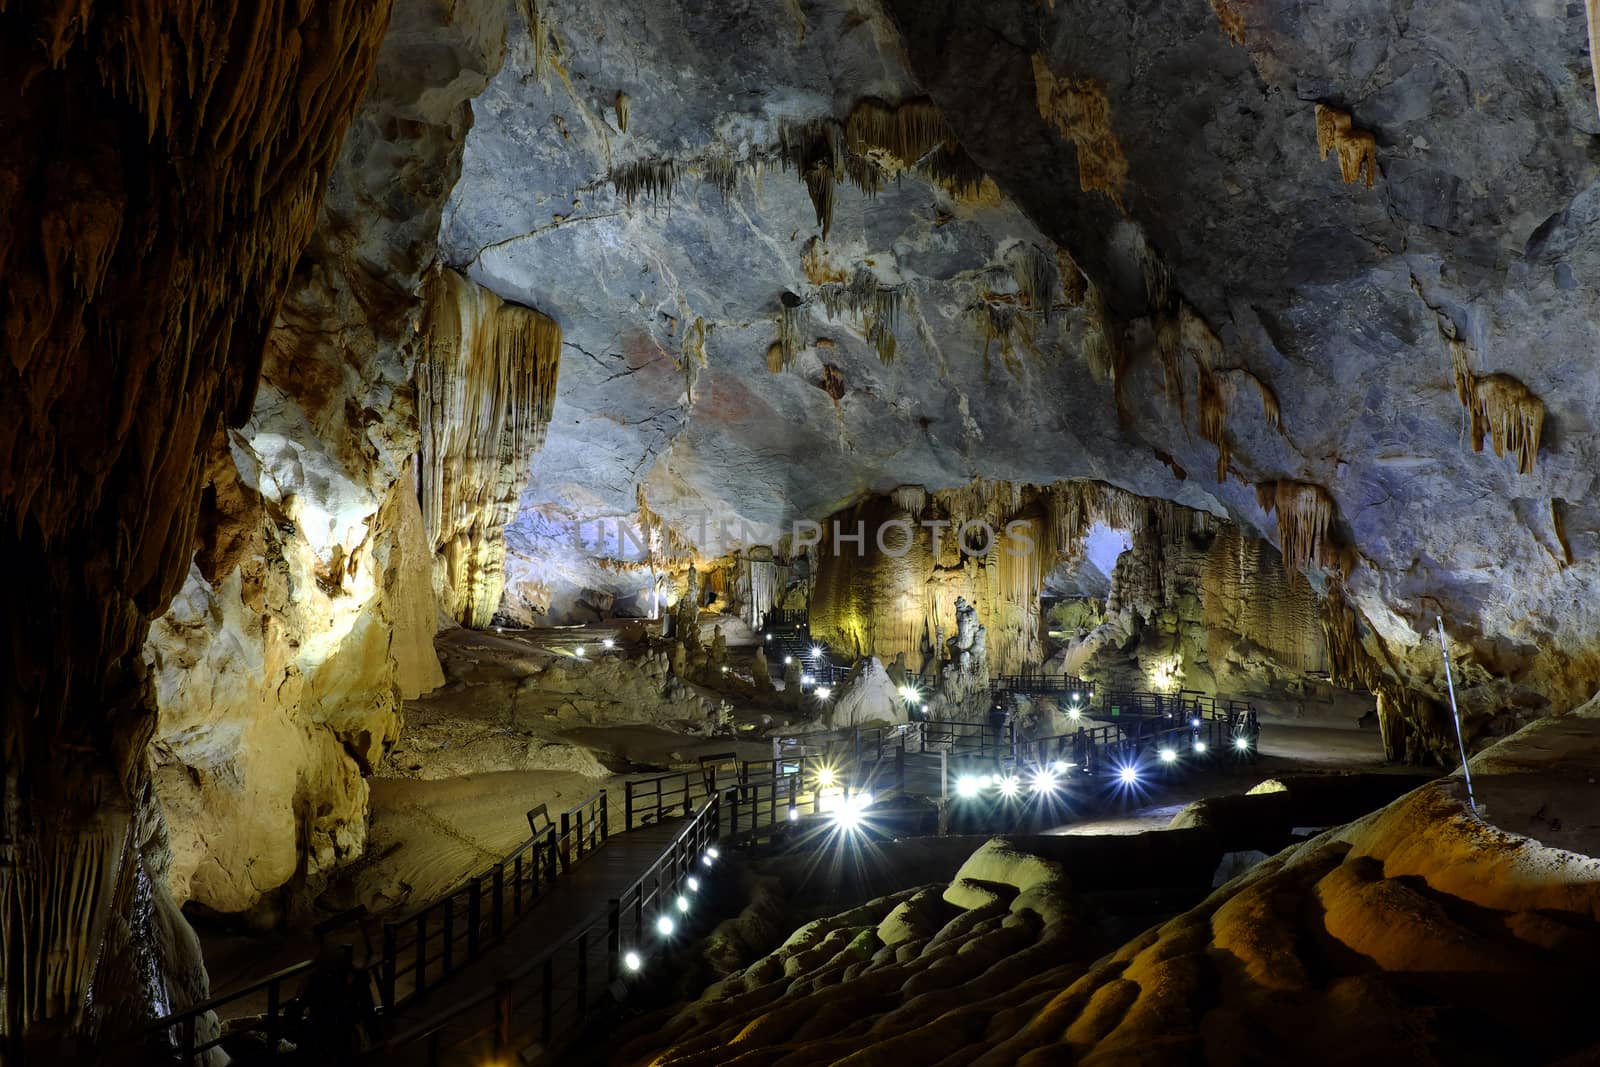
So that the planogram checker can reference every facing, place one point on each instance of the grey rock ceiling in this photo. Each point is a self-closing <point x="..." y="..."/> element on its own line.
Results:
<point x="1340" y="297"/>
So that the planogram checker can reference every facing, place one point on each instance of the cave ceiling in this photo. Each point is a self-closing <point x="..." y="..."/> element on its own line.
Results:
<point x="1170" y="150"/>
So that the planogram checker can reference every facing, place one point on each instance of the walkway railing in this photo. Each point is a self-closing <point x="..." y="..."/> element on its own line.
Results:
<point x="545" y="1000"/>
<point x="424" y="949"/>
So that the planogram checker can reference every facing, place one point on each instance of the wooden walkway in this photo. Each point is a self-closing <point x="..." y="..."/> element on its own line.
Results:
<point x="578" y="902"/>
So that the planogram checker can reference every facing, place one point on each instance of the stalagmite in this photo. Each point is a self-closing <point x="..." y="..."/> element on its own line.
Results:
<point x="484" y="392"/>
<point x="1357" y="149"/>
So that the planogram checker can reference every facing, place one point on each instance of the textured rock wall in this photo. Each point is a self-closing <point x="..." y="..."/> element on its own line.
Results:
<point x="164" y="169"/>
<point x="308" y="614"/>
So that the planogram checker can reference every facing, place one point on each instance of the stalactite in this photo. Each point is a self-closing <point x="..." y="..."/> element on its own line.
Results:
<point x="1306" y="515"/>
<point x="1080" y="112"/>
<point x="1558" y="523"/>
<point x="950" y="167"/>
<point x="1357" y="149"/>
<point x="623" y="101"/>
<point x="791" y="311"/>
<point x="1157" y="277"/>
<point x="1169" y="349"/>
<point x="1512" y="417"/>
<point x="722" y="171"/>
<point x="1462" y="369"/>
<point x="877" y="305"/>
<point x="1037" y="279"/>
<point x="1591" y="15"/>
<point x="907" y="131"/>
<point x="485" y="389"/>
<point x="818" y="151"/>
<point x="653" y="179"/>
<point x="694" y="343"/>
<point x="1212" y="401"/>
<point x="1100" y="342"/>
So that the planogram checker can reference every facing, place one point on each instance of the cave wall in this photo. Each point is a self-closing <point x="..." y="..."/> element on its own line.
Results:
<point x="165" y="170"/>
<point x="308" y="614"/>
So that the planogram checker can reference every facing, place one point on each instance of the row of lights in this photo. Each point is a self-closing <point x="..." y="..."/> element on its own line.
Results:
<point x="606" y="643"/>
<point x="666" y="926"/>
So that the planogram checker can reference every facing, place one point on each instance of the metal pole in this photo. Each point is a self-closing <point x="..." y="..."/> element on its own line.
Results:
<point x="1444" y="650"/>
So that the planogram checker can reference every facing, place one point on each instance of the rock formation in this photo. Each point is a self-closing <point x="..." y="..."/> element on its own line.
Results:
<point x="145" y="256"/>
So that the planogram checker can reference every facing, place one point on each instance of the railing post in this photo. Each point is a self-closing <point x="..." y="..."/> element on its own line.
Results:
<point x="605" y="818"/>
<point x="497" y="901"/>
<point x="613" y="939"/>
<point x="447" y="957"/>
<point x="551" y="874"/>
<point x="502" y="1018"/>
<point x="422" y="951"/>
<point x="627" y="805"/>
<point x="188" y="1039"/>
<point x="548" y="996"/>
<point x="583" y="975"/>
<point x="272" y="1015"/>
<point x="390" y="951"/>
<point x="474" y="916"/>
<point x="566" y="841"/>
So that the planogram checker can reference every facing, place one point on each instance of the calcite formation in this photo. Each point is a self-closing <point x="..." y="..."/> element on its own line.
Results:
<point x="485" y="389"/>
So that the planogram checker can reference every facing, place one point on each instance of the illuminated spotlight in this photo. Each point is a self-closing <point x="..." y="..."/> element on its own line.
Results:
<point x="1074" y="714"/>
<point x="1169" y="755"/>
<point x="788" y="660"/>
<point x="862" y="800"/>
<point x="924" y="709"/>
<point x="608" y="643"/>
<point x="1195" y="723"/>
<point x="694" y="884"/>
<point x="578" y="652"/>
<point x="983" y="781"/>
<point x="705" y="861"/>
<point x="1044" y="782"/>
<point x="847" y="817"/>
<point x="825" y="776"/>
<point x="665" y="926"/>
<point x="794" y="813"/>
<point x="823" y="692"/>
<point x="1199" y="746"/>
<point x="631" y="960"/>
<point x="816" y="651"/>
<point x="1129" y="775"/>
<point x="683" y="903"/>
<point x="724" y="670"/>
<point x="966" y="786"/>
<point x="1242" y="744"/>
<point x="805" y="679"/>
<point x="712" y="852"/>
<point x="910" y="693"/>
<point x="1059" y="767"/>
<point x="766" y="637"/>
<point x="1009" y="786"/>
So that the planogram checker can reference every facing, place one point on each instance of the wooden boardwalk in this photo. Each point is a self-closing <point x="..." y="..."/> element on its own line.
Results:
<point x="577" y="903"/>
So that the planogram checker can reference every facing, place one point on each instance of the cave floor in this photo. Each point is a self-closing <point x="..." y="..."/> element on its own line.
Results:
<point x="1286" y="748"/>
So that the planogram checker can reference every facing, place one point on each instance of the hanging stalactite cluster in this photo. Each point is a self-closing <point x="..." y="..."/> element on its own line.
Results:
<point x="1306" y="523"/>
<point x="1357" y="149"/>
<point x="1499" y="407"/>
<point x="652" y="179"/>
<point x="485" y="389"/>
